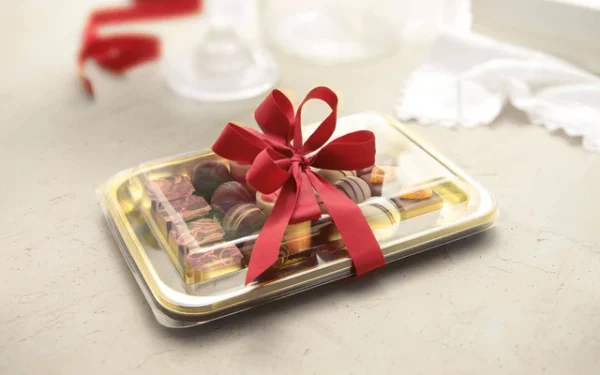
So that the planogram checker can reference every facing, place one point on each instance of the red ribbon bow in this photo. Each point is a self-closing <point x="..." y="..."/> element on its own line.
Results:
<point x="279" y="159"/>
<point x="118" y="53"/>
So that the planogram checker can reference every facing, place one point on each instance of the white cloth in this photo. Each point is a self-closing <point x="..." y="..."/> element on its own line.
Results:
<point x="468" y="79"/>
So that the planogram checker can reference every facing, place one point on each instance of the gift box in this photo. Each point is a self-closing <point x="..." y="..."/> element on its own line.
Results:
<point x="266" y="214"/>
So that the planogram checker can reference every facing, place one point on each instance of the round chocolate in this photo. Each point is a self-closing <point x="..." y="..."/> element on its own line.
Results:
<point x="382" y="215"/>
<point x="334" y="176"/>
<point x="208" y="176"/>
<point x="228" y="195"/>
<point x="355" y="188"/>
<point x="243" y="219"/>
<point x="380" y="212"/>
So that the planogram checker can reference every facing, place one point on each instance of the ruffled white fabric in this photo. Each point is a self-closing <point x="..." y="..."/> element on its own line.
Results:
<point x="468" y="79"/>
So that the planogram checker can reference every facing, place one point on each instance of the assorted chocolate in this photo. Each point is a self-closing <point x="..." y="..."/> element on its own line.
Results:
<point x="410" y="207"/>
<point x="168" y="189"/>
<point x="374" y="177"/>
<point x="357" y="189"/>
<point x="381" y="214"/>
<point x="228" y="195"/>
<point x="208" y="176"/>
<point x="243" y="219"/>
<point x="333" y="176"/>
<point x="184" y="209"/>
<point x="205" y="265"/>
<point x="207" y="218"/>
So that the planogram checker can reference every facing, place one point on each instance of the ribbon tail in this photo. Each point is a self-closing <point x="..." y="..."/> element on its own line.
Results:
<point x="307" y="207"/>
<point x="353" y="227"/>
<point x="266" y="248"/>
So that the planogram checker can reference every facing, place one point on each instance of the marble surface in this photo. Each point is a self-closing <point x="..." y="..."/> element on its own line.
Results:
<point x="521" y="299"/>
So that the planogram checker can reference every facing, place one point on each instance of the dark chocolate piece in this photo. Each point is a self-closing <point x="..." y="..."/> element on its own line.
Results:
<point x="243" y="219"/>
<point x="208" y="176"/>
<point x="228" y="195"/>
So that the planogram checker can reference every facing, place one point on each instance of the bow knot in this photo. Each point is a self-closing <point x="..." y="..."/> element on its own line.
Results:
<point x="278" y="159"/>
<point x="301" y="160"/>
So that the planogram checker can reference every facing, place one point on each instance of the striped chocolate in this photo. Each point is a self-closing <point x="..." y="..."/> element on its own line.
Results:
<point x="333" y="176"/>
<point x="382" y="216"/>
<point x="355" y="188"/>
<point x="374" y="177"/>
<point x="228" y="195"/>
<point x="243" y="219"/>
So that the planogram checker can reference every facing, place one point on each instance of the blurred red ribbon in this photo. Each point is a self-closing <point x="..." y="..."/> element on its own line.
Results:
<point x="118" y="53"/>
<point x="280" y="159"/>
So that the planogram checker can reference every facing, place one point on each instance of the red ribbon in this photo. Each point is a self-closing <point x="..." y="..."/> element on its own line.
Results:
<point x="121" y="52"/>
<point x="280" y="159"/>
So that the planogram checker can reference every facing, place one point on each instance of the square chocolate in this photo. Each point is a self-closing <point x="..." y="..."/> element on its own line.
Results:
<point x="202" y="264"/>
<point x="415" y="207"/>
<point x="180" y="210"/>
<point x="187" y="236"/>
<point x="189" y="208"/>
<point x="167" y="189"/>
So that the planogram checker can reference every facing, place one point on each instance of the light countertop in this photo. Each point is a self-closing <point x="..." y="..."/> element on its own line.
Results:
<point x="523" y="298"/>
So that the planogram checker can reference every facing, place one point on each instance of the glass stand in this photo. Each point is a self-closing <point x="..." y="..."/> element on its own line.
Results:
<point x="223" y="67"/>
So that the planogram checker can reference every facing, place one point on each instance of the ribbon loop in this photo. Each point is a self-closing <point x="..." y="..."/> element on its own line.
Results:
<point x="275" y="116"/>
<point x="279" y="160"/>
<point x="266" y="164"/>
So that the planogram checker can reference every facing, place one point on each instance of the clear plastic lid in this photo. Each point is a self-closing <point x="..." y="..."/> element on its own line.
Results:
<point x="196" y="219"/>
